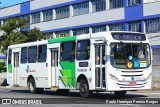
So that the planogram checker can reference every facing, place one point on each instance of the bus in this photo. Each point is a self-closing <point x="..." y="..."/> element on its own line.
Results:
<point x="106" y="61"/>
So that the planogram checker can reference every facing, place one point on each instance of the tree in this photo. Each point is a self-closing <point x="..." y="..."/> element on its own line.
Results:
<point x="34" y="35"/>
<point x="16" y="32"/>
<point x="11" y="39"/>
<point x="2" y="67"/>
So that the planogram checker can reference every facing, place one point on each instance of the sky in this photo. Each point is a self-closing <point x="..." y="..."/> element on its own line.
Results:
<point x="5" y="3"/>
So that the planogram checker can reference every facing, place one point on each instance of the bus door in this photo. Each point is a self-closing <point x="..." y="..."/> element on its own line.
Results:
<point x="54" y="66"/>
<point x="100" y="66"/>
<point x="15" y="69"/>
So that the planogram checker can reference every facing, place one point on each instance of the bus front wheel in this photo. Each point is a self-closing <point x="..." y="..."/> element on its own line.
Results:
<point x="32" y="86"/>
<point x="84" y="89"/>
<point x="120" y="93"/>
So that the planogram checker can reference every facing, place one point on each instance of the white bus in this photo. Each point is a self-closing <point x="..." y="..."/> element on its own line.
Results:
<point x="105" y="61"/>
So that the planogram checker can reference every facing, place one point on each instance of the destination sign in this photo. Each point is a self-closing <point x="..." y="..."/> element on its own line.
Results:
<point x="129" y="36"/>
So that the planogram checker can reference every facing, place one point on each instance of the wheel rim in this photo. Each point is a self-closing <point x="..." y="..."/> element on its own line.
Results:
<point x="83" y="88"/>
<point x="31" y="86"/>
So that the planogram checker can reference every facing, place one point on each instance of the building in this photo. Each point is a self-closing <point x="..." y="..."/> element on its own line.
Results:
<point x="74" y="17"/>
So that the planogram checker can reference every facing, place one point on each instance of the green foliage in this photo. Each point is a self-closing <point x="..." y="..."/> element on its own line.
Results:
<point x="34" y="35"/>
<point x="12" y="24"/>
<point x="2" y="67"/>
<point x="11" y="39"/>
<point x="15" y="32"/>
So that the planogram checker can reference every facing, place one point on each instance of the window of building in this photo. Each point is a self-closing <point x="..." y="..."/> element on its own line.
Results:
<point x="83" y="50"/>
<point x="48" y="36"/>
<point x="152" y="25"/>
<point x="68" y="51"/>
<point x="62" y="33"/>
<point x="32" y="54"/>
<point x="10" y="56"/>
<point x="116" y="4"/>
<point x="48" y="15"/>
<point x="62" y="12"/>
<point x="156" y="58"/>
<point x="134" y="26"/>
<point x="35" y="17"/>
<point x="80" y="8"/>
<point x="27" y="17"/>
<point x="100" y="28"/>
<point x="24" y="55"/>
<point x="116" y="27"/>
<point x="80" y="31"/>
<point x="133" y="2"/>
<point x="98" y="5"/>
<point x="42" y="50"/>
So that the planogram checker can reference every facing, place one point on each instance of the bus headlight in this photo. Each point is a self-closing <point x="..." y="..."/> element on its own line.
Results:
<point x="113" y="77"/>
<point x="149" y="76"/>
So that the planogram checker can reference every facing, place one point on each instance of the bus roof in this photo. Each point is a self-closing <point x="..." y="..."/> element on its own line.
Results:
<point x="106" y="34"/>
<point x="29" y="44"/>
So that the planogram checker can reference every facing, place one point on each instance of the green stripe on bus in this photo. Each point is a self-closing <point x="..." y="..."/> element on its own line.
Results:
<point x="10" y="68"/>
<point x="64" y="39"/>
<point x="68" y="73"/>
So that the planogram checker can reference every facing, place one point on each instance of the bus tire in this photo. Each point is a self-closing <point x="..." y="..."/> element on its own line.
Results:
<point x="120" y="93"/>
<point x="32" y="86"/>
<point x="84" y="89"/>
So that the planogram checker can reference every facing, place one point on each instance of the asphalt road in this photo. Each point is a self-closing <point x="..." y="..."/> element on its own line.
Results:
<point x="20" y="97"/>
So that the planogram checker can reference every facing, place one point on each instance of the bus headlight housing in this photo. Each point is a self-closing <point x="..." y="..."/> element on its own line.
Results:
<point x="113" y="77"/>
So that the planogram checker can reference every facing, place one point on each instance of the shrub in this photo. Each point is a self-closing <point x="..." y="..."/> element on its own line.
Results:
<point x="3" y="67"/>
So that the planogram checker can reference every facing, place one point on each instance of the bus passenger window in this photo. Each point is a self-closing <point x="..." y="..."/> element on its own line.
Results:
<point x="9" y="56"/>
<point x="83" y="50"/>
<point x="42" y="50"/>
<point x="32" y="54"/>
<point x="68" y="51"/>
<point x="24" y="55"/>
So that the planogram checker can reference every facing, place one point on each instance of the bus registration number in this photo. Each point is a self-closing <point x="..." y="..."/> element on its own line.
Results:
<point x="132" y="84"/>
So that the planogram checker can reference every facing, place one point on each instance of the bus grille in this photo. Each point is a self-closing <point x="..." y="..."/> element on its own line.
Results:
<point x="131" y="71"/>
<point x="127" y="85"/>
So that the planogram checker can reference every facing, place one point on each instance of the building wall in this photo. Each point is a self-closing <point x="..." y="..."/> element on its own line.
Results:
<point x="82" y="20"/>
<point x="37" y="4"/>
<point x="4" y="12"/>
<point x="151" y="8"/>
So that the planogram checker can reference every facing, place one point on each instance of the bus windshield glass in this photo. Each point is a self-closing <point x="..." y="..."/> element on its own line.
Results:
<point x="127" y="55"/>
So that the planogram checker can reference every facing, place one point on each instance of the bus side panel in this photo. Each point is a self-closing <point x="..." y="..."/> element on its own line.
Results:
<point x="9" y="74"/>
<point x="9" y="68"/>
<point x="86" y="68"/>
<point x="39" y="71"/>
<point x="67" y="75"/>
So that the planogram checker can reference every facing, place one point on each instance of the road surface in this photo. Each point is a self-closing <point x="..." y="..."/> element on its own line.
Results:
<point x="20" y="97"/>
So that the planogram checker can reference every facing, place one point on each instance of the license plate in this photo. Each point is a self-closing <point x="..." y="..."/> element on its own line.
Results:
<point x="132" y="84"/>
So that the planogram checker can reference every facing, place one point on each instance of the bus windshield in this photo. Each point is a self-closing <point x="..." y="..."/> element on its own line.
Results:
<point x="137" y="55"/>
